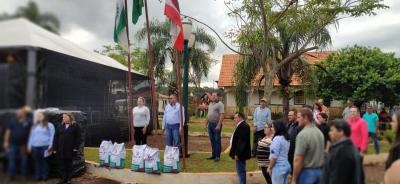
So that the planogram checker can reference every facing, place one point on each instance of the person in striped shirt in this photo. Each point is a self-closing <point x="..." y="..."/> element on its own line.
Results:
<point x="263" y="151"/>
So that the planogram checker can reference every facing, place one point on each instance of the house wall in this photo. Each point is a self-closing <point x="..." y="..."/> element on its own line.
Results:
<point x="275" y="105"/>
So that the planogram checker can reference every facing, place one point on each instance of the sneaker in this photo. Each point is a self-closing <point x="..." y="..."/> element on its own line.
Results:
<point x="216" y="159"/>
<point x="210" y="158"/>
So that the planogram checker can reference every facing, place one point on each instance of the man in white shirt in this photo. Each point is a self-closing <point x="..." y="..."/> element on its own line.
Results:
<point x="171" y="121"/>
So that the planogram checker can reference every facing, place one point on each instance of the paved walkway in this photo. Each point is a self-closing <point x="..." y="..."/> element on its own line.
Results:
<point x="374" y="159"/>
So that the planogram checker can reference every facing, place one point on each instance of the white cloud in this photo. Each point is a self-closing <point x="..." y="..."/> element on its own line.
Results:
<point x="82" y="37"/>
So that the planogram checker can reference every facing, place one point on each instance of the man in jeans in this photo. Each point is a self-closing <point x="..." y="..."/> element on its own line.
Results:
<point x="240" y="146"/>
<point x="261" y="116"/>
<point x="309" y="151"/>
<point x="372" y="120"/>
<point x="214" y="120"/>
<point x="15" y="141"/>
<point x="171" y="121"/>
<point x="359" y="134"/>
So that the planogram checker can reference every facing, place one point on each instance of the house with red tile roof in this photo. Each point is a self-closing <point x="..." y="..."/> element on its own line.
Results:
<point x="226" y="82"/>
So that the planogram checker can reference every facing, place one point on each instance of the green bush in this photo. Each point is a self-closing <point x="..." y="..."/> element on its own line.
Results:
<point x="389" y="136"/>
<point x="277" y="115"/>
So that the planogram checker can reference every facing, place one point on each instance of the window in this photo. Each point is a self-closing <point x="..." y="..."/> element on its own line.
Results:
<point x="299" y="98"/>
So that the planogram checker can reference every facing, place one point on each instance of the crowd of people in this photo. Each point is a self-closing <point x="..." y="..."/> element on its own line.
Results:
<point x="302" y="148"/>
<point x="308" y="150"/>
<point x="34" y="137"/>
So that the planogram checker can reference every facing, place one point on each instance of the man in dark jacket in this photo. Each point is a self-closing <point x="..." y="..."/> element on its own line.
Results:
<point x="343" y="164"/>
<point x="293" y="130"/>
<point x="240" y="146"/>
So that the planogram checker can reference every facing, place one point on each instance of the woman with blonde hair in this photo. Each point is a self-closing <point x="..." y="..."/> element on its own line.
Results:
<point x="141" y="119"/>
<point x="40" y="141"/>
<point x="66" y="145"/>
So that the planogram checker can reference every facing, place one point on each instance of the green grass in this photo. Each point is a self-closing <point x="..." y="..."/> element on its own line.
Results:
<point x="196" y="163"/>
<point x="202" y="128"/>
<point x="385" y="146"/>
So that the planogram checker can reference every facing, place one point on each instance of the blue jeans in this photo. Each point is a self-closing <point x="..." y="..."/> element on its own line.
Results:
<point x="373" y="136"/>
<point x="309" y="176"/>
<point x="215" y="138"/>
<point x="280" y="173"/>
<point x="172" y="135"/>
<point x="41" y="167"/>
<point x="15" y="153"/>
<point x="241" y="171"/>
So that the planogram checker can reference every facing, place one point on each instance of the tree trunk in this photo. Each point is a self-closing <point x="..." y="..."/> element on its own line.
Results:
<point x="285" y="101"/>
<point x="268" y="84"/>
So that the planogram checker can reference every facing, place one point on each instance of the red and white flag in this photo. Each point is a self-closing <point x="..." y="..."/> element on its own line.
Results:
<point x="173" y="13"/>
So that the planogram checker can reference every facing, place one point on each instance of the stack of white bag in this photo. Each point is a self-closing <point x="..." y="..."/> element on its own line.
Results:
<point x="152" y="161"/>
<point x="117" y="159"/>
<point x="105" y="150"/>
<point x="138" y="153"/>
<point x="171" y="160"/>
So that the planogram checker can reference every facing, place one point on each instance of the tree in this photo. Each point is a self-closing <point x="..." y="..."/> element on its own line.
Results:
<point x="362" y="74"/>
<point x="138" y="57"/>
<point x="273" y="34"/>
<point x="139" y="61"/>
<point x="200" y="58"/>
<point x="31" y="11"/>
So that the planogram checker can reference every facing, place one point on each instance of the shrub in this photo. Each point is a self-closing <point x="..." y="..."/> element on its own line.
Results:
<point x="389" y="136"/>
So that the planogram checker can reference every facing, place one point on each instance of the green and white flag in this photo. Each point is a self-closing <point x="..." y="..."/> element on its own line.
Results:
<point x="120" y="25"/>
<point x="136" y="10"/>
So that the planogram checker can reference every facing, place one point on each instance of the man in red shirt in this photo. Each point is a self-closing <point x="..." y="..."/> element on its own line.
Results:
<point x="359" y="134"/>
<point x="359" y="130"/>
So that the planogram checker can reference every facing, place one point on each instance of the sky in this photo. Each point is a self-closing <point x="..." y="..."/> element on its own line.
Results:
<point x="90" y="24"/>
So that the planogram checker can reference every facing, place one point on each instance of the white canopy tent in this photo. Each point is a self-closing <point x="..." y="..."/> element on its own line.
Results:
<point x="21" y="32"/>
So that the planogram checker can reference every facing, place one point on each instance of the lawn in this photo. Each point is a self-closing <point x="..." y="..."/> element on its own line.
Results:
<point x="385" y="146"/>
<point x="195" y="163"/>
<point x="202" y="128"/>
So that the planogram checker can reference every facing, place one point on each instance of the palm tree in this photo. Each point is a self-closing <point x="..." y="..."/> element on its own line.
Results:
<point x="286" y="43"/>
<point x="46" y="20"/>
<point x="200" y="59"/>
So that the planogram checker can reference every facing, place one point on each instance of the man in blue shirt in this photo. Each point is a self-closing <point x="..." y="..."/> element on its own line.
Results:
<point x="171" y="121"/>
<point x="261" y="116"/>
<point x="372" y="120"/>
<point x="15" y="141"/>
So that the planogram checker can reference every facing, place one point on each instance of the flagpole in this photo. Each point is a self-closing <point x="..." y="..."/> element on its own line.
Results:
<point x="132" y="132"/>
<point x="152" y="81"/>
<point x="179" y="77"/>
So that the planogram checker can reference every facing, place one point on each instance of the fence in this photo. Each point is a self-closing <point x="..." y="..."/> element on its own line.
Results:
<point x="277" y="110"/>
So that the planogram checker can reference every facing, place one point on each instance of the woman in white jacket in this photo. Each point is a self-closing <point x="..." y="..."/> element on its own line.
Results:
<point x="141" y="119"/>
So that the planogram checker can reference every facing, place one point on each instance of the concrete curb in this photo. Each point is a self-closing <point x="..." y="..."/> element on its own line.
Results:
<point x="127" y="176"/>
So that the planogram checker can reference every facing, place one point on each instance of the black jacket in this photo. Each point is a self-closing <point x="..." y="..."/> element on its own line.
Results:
<point x="66" y="140"/>
<point x="342" y="165"/>
<point x="293" y="130"/>
<point x="325" y="131"/>
<point x="241" y="142"/>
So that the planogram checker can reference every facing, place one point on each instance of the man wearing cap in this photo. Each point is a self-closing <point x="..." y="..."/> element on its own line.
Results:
<point x="261" y="115"/>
